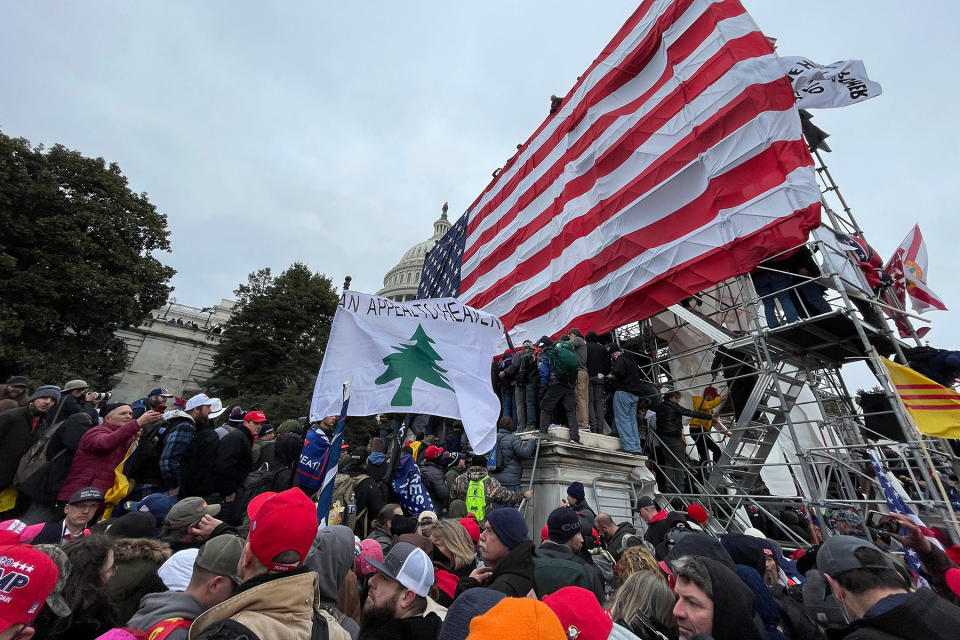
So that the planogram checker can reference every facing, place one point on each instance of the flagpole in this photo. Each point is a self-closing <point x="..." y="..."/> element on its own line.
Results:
<point x="917" y="435"/>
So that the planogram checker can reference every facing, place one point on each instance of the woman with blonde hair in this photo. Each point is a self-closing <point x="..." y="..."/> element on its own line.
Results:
<point x="644" y="604"/>
<point x="453" y="548"/>
<point x="634" y="559"/>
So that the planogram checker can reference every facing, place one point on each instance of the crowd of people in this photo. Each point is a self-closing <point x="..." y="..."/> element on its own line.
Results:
<point x="145" y="520"/>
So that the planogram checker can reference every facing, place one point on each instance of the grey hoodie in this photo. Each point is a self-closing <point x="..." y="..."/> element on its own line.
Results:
<point x="155" y="607"/>
<point x="331" y="557"/>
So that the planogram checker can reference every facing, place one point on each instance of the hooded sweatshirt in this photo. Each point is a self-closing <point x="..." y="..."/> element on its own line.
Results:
<point x="170" y="604"/>
<point x="732" y="604"/>
<point x="331" y="557"/>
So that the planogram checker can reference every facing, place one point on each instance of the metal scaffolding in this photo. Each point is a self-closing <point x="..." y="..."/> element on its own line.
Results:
<point x="796" y="424"/>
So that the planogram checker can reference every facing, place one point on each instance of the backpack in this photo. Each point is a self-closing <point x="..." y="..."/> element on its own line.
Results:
<point x="36" y="456"/>
<point x="495" y="461"/>
<point x="144" y="463"/>
<point x="257" y="482"/>
<point x="477" y="499"/>
<point x="196" y="466"/>
<point x="564" y="360"/>
<point x="345" y="493"/>
<point x="321" y="628"/>
<point x="163" y="629"/>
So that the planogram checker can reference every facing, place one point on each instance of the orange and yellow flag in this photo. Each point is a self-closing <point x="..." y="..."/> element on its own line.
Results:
<point x="934" y="408"/>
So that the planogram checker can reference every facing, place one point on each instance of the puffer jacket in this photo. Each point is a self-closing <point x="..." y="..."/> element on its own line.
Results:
<point x="136" y="562"/>
<point x="698" y="424"/>
<point x="432" y="477"/>
<point x="275" y="606"/>
<point x="512" y="448"/>
<point x="101" y="450"/>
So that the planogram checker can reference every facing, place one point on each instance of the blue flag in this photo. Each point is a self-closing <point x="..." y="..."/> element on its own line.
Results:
<point x="409" y="488"/>
<point x="319" y="460"/>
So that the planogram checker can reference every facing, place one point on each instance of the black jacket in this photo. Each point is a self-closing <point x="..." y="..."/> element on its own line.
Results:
<point x="626" y="375"/>
<point x="549" y="549"/>
<point x="513" y="576"/>
<point x="416" y="628"/>
<point x="17" y="435"/>
<point x="43" y="486"/>
<point x="615" y="544"/>
<point x="432" y="477"/>
<point x="234" y="461"/>
<point x="598" y="359"/>
<point x="732" y="604"/>
<point x="369" y="500"/>
<point x="923" y="616"/>
<point x="68" y="406"/>
<point x="670" y="419"/>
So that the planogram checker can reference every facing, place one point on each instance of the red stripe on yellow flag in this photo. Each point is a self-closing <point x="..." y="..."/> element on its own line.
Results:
<point x="934" y="408"/>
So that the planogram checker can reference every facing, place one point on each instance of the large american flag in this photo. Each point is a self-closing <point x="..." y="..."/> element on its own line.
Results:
<point x="675" y="162"/>
<point x="895" y="495"/>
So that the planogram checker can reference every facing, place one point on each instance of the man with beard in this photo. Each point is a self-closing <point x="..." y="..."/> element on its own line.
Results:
<point x="19" y="429"/>
<point x="181" y="429"/>
<point x="397" y="597"/>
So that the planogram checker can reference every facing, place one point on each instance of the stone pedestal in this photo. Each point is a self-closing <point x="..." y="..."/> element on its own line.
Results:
<point x="619" y="477"/>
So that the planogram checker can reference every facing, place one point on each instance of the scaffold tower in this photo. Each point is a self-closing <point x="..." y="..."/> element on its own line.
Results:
<point x="791" y="434"/>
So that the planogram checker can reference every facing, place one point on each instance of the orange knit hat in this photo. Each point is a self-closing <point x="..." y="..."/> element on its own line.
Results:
<point x="517" y="619"/>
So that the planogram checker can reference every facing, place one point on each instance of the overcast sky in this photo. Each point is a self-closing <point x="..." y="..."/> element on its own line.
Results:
<point x="332" y="133"/>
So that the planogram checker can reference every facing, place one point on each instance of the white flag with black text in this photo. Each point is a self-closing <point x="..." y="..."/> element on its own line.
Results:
<point x="818" y="86"/>
<point x="424" y="356"/>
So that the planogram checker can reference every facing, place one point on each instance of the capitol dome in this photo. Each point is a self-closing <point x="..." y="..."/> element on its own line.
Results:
<point x="401" y="282"/>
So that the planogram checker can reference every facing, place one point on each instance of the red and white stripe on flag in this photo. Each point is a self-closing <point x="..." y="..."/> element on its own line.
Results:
<point x="908" y="267"/>
<point x="674" y="163"/>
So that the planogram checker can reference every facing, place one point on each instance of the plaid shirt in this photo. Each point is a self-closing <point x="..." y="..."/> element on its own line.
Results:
<point x="174" y="446"/>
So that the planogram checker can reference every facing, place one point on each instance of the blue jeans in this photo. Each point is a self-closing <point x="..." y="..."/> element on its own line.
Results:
<point x="508" y="403"/>
<point x="625" y="418"/>
<point x="771" y="287"/>
<point x="533" y="404"/>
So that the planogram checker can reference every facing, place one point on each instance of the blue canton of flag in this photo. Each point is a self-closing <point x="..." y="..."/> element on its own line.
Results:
<point x="895" y="501"/>
<point x="441" y="269"/>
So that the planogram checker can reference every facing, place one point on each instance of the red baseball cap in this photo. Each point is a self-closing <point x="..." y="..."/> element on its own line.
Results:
<point x="28" y="576"/>
<point x="257" y="501"/>
<point x="952" y="577"/>
<point x="255" y="416"/>
<point x="580" y="613"/>
<point x="432" y="452"/>
<point x="284" y="522"/>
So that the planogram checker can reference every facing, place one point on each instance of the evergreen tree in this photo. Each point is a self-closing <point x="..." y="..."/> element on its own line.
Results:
<point x="77" y="263"/>
<point x="410" y="362"/>
<point x="273" y="344"/>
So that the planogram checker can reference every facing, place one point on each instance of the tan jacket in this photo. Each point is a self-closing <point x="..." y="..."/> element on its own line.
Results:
<point x="280" y="609"/>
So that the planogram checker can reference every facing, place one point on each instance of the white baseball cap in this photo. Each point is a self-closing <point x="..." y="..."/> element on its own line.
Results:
<point x="200" y="400"/>
<point x="408" y="565"/>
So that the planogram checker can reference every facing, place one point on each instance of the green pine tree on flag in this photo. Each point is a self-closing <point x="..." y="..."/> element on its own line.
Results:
<point x="410" y="362"/>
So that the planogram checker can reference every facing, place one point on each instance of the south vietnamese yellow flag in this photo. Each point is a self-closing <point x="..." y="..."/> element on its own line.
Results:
<point x="934" y="408"/>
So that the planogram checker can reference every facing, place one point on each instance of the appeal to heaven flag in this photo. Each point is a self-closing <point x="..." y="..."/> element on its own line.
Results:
<point x="934" y="408"/>
<point x="676" y="161"/>
<point x="821" y="86"/>
<point x="424" y="356"/>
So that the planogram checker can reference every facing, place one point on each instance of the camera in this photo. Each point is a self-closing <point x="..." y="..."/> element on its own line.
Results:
<point x="101" y="397"/>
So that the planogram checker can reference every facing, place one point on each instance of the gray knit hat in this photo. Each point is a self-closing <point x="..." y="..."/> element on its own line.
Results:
<point x="46" y="391"/>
